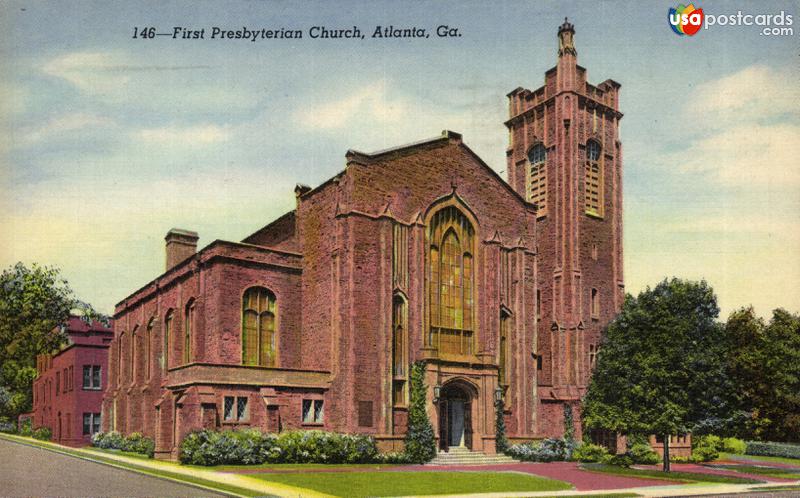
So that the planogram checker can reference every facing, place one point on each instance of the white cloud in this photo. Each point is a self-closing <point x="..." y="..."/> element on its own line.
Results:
<point x="192" y="135"/>
<point x="93" y="72"/>
<point x="752" y="156"/>
<point x="756" y="92"/>
<point x="369" y="103"/>
<point x="60" y="125"/>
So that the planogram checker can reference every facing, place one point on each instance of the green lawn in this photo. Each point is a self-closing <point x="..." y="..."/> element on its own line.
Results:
<point x="756" y="458"/>
<point x="353" y="484"/>
<point x="763" y="471"/>
<point x="129" y="454"/>
<point x="672" y="476"/>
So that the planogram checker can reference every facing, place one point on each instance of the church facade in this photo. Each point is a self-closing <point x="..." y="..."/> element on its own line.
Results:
<point x="420" y="252"/>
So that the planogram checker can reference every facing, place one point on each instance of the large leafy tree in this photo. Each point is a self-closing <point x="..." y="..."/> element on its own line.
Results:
<point x="660" y="369"/>
<point x="34" y="303"/>
<point x="764" y="363"/>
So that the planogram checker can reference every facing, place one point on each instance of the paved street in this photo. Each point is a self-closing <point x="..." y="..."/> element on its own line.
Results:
<point x="28" y="471"/>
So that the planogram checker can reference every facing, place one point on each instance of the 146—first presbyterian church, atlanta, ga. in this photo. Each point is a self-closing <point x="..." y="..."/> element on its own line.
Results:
<point x="420" y="252"/>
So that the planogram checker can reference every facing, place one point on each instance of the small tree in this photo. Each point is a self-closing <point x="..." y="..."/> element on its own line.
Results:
<point x="658" y="369"/>
<point x="420" y="438"/>
<point x="500" y="442"/>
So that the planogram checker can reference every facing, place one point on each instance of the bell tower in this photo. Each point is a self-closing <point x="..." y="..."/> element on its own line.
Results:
<point x="564" y="154"/>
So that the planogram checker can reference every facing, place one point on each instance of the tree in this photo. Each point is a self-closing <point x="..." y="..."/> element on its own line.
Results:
<point x="420" y="438"/>
<point x="34" y="303"/>
<point x="764" y="363"/>
<point x="661" y="364"/>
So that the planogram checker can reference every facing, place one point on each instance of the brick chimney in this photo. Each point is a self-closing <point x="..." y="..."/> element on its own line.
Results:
<point x="181" y="244"/>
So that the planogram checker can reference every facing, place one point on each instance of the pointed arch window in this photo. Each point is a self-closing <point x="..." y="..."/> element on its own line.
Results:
<point x="188" y="329"/>
<point x="593" y="179"/>
<point x="258" y="327"/>
<point x="399" y="338"/>
<point x="120" y="349"/>
<point x="132" y="370"/>
<point x="148" y="348"/>
<point x="165" y="352"/>
<point x="537" y="177"/>
<point x="451" y="282"/>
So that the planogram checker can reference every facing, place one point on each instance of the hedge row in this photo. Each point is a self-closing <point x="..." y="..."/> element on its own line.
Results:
<point x="134" y="443"/>
<point x="784" y="450"/>
<point x="252" y="447"/>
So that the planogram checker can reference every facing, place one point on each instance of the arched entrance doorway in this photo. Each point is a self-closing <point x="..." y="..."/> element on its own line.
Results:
<point x="455" y="416"/>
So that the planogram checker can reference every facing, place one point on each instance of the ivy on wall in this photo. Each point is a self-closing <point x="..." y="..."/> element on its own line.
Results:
<point x="420" y="438"/>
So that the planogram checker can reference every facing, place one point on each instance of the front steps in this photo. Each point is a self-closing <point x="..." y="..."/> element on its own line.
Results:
<point x="463" y="456"/>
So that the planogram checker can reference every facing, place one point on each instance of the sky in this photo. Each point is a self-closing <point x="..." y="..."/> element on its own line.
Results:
<point x="107" y="142"/>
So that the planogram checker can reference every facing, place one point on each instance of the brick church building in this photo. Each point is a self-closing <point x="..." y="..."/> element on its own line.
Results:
<point x="415" y="252"/>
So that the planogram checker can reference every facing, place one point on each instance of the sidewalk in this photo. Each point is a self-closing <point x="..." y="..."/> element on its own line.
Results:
<point x="158" y="467"/>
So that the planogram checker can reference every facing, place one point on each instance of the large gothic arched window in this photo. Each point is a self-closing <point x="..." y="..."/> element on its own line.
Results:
<point x="451" y="268"/>
<point x="258" y="327"/>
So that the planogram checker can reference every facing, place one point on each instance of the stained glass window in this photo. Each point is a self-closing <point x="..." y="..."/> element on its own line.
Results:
<point x="451" y="282"/>
<point x="258" y="327"/>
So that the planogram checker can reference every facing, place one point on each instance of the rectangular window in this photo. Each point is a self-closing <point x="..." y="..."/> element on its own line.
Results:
<point x="235" y="408"/>
<point x="71" y="378"/>
<point x="66" y="381"/>
<point x="91" y="377"/>
<point x="58" y="382"/>
<point x="96" y="423"/>
<point x="313" y="411"/>
<point x="91" y="423"/>
<point x="228" y="408"/>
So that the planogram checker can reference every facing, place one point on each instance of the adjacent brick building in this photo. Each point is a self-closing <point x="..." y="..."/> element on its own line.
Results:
<point x="416" y="252"/>
<point x="68" y="392"/>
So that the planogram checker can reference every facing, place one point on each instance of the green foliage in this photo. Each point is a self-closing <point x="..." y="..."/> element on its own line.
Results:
<point x="420" y="438"/>
<point x="500" y="442"/>
<point x="660" y="368"/>
<point x="764" y="363"/>
<point x="42" y="433"/>
<point x="621" y="460"/>
<point x="734" y="446"/>
<point x="134" y="443"/>
<point x="569" y="423"/>
<point x="252" y="447"/>
<point x="548" y="450"/>
<point x="643" y="454"/>
<point x="706" y="448"/>
<point x="588" y="452"/>
<point x="773" y="449"/>
<point x="33" y="303"/>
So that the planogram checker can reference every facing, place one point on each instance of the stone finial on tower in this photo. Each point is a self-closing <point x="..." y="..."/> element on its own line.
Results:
<point x="565" y="43"/>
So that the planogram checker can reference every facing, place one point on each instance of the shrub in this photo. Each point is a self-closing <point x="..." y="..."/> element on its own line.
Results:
<point x="733" y="445"/>
<point x="135" y="443"/>
<point x="548" y="450"/>
<point x="420" y="438"/>
<point x="588" y="452"/>
<point x="251" y="447"/>
<point x="25" y="428"/>
<point x="42" y="433"/>
<point x="392" y="457"/>
<point x="643" y="454"/>
<point x="765" y="448"/>
<point x="500" y="440"/>
<point x="138" y="443"/>
<point x="8" y="427"/>
<point x="621" y="460"/>
<point x="708" y="440"/>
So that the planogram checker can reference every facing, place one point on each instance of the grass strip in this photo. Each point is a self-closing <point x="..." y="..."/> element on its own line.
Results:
<point x="758" y="458"/>
<point x="762" y="471"/>
<point x="691" y="477"/>
<point x="172" y="476"/>
<point x="281" y="467"/>
<point x="359" y="484"/>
